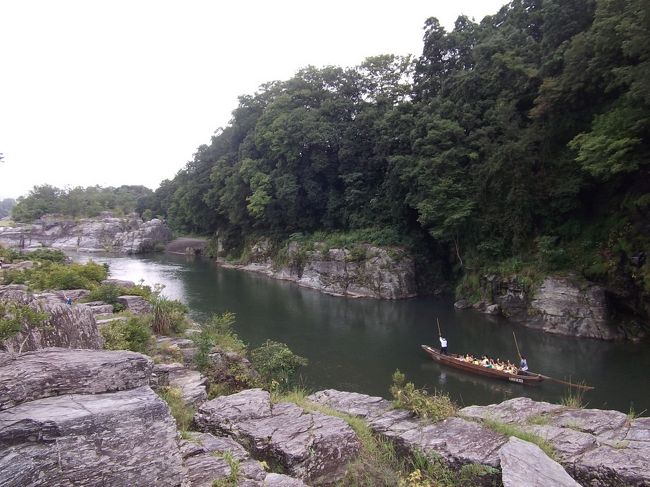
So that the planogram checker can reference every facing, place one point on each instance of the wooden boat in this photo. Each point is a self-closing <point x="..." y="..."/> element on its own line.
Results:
<point x="454" y="361"/>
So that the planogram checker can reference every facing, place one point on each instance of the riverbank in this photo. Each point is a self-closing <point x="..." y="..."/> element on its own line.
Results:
<point x="474" y="445"/>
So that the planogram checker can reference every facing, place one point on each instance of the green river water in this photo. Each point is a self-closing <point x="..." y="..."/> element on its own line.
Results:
<point x="356" y="344"/>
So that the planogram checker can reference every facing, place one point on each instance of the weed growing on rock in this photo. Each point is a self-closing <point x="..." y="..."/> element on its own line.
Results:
<point x="436" y="407"/>
<point x="539" y="419"/>
<point x="181" y="412"/>
<point x="512" y="430"/>
<point x="574" y="398"/>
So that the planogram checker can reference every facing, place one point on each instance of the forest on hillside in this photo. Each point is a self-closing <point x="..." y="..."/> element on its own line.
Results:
<point x="81" y="202"/>
<point x="515" y="143"/>
<point x="526" y="133"/>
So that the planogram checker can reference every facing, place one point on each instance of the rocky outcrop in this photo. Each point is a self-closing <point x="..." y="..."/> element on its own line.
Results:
<point x="84" y="417"/>
<point x="56" y="371"/>
<point x="128" y="235"/>
<point x="456" y="440"/>
<point x="208" y="458"/>
<point x="135" y="304"/>
<point x="365" y="271"/>
<point x="562" y="305"/>
<point x="310" y="446"/>
<point x="597" y="447"/>
<point x="524" y="463"/>
<point x="65" y="326"/>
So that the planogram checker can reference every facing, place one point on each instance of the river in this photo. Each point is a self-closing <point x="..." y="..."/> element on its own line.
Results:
<point x="357" y="344"/>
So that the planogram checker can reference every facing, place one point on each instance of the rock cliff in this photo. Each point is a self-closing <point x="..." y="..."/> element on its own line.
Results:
<point x="565" y="305"/>
<point x="65" y="326"/>
<point x="128" y="235"/>
<point x="366" y="271"/>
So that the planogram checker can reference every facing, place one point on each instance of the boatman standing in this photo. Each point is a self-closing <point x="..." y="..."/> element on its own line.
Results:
<point x="523" y="365"/>
<point x="443" y="345"/>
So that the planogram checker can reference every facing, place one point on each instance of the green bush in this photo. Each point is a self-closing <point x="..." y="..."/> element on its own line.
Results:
<point x="435" y="407"/>
<point x="52" y="275"/>
<point x="169" y="316"/>
<point x="217" y="332"/>
<point x="277" y="364"/>
<point x="50" y="255"/>
<point x="132" y="334"/>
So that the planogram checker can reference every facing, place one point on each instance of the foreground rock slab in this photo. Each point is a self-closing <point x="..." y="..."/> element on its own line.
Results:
<point x="523" y="463"/>
<point x="310" y="446"/>
<point x="57" y="371"/>
<point x="597" y="447"/>
<point x="120" y="439"/>
<point x="456" y="440"/>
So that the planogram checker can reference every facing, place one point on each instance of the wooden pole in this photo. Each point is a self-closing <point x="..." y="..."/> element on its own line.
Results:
<point x="516" y="345"/>
<point x="439" y="332"/>
<point x="571" y="384"/>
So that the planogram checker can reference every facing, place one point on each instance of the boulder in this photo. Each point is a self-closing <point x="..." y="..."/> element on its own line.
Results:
<point x="56" y="371"/>
<point x="523" y="463"/>
<point x="119" y="439"/>
<point x="310" y="446"/>
<point x="66" y="326"/>
<point x="135" y="304"/>
<point x="462" y="304"/>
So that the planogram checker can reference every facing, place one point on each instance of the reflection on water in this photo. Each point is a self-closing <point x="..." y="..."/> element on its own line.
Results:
<point x="356" y="344"/>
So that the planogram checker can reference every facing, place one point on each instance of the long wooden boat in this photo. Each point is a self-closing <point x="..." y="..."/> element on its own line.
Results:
<point x="453" y="360"/>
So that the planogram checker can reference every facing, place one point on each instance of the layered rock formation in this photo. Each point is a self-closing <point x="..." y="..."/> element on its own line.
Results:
<point x="94" y="425"/>
<point x="562" y="305"/>
<point x="597" y="448"/>
<point x="310" y="446"/>
<point x="129" y="235"/>
<point x="367" y="271"/>
<point x="65" y="326"/>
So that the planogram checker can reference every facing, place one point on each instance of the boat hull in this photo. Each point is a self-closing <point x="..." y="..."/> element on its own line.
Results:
<point x="452" y="361"/>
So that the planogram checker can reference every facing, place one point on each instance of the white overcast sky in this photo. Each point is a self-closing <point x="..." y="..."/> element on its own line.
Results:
<point x="123" y="92"/>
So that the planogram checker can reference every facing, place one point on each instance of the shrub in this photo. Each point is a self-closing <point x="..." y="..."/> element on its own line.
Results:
<point x="52" y="275"/>
<point x="168" y="315"/>
<point x="132" y="334"/>
<point x="217" y="332"/>
<point x="276" y="363"/>
<point x="435" y="407"/>
<point x="50" y="255"/>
